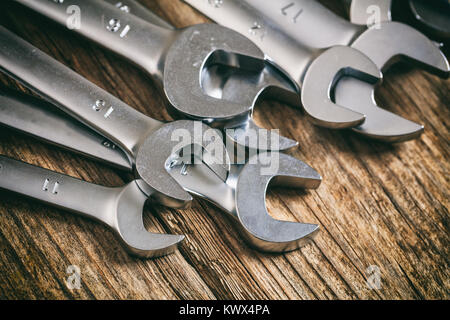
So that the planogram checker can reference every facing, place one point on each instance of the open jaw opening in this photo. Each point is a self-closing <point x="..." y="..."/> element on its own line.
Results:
<point x="321" y="77"/>
<point x="380" y="123"/>
<point x="250" y="88"/>
<point x="243" y="198"/>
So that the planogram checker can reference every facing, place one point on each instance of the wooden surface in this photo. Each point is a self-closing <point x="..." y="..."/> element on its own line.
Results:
<point x="379" y="204"/>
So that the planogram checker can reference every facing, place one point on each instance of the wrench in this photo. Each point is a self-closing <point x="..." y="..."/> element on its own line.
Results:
<point x="318" y="108"/>
<point x="434" y="16"/>
<point x="233" y="84"/>
<point x="119" y="208"/>
<point x="136" y="134"/>
<point x="297" y="18"/>
<point x="176" y="60"/>
<point x="241" y="196"/>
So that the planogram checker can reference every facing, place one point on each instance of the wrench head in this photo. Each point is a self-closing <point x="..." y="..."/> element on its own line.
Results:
<point x="384" y="46"/>
<point x="380" y="124"/>
<point x="393" y="41"/>
<point x="128" y="223"/>
<point x="261" y="230"/>
<point x="320" y="80"/>
<point x="161" y="149"/>
<point x="240" y="86"/>
<point x="199" y="47"/>
<point x="195" y="48"/>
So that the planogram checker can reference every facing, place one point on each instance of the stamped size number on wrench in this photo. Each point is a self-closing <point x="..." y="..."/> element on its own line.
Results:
<point x="292" y="10"/>
<point x="114" y="25"/>
<point x="46" y="186"/>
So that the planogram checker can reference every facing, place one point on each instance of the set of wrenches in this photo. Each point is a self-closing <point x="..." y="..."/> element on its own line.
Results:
<point x="211" y="76"/>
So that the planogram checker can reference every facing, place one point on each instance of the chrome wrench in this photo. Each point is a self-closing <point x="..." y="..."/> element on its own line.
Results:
<point x="119" y="208"/>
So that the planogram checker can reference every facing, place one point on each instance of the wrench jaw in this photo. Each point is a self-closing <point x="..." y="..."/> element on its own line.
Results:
<point x="385" y="46"/>
<point x="320" y="79"/>
<point x="394" y="41"/>
<point x="194" y="49"/>
<point x="248" y="88"/>
<point x="259" y="229"/>
<point x="199" y="47"/>
<point x="128" y="223"/>
<point x="380" y="124"/>
<point x="242" y="197"/>
<point x="161" y="150"/>
<point x="302" y="234"/>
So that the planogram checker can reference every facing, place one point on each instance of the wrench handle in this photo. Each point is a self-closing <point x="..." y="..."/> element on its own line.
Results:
<point x="303" y="21"/>
<point x="127" y="35"/>
<point x="73" y="94"/>
<point x="35" y="117"/>
<point x="135" y="8"/>
<point x="309" y="22"/>
<point x="91" y="200"/>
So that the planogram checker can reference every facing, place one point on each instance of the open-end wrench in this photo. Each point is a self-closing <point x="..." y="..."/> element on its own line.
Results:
<point x="242" y="195"/>
<point x="309" y="23"/>
<point x="136" y="134"/>
<point x="176" y="60"/>
<point x="243" y="198"/>
<point x="119" y="208"/>
<point x="360" y="11"/>
<point x="434" y="15"/>
<point x="233" y="84"/>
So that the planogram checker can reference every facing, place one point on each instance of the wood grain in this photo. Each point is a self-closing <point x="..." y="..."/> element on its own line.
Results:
<point x="379" y="204"/>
